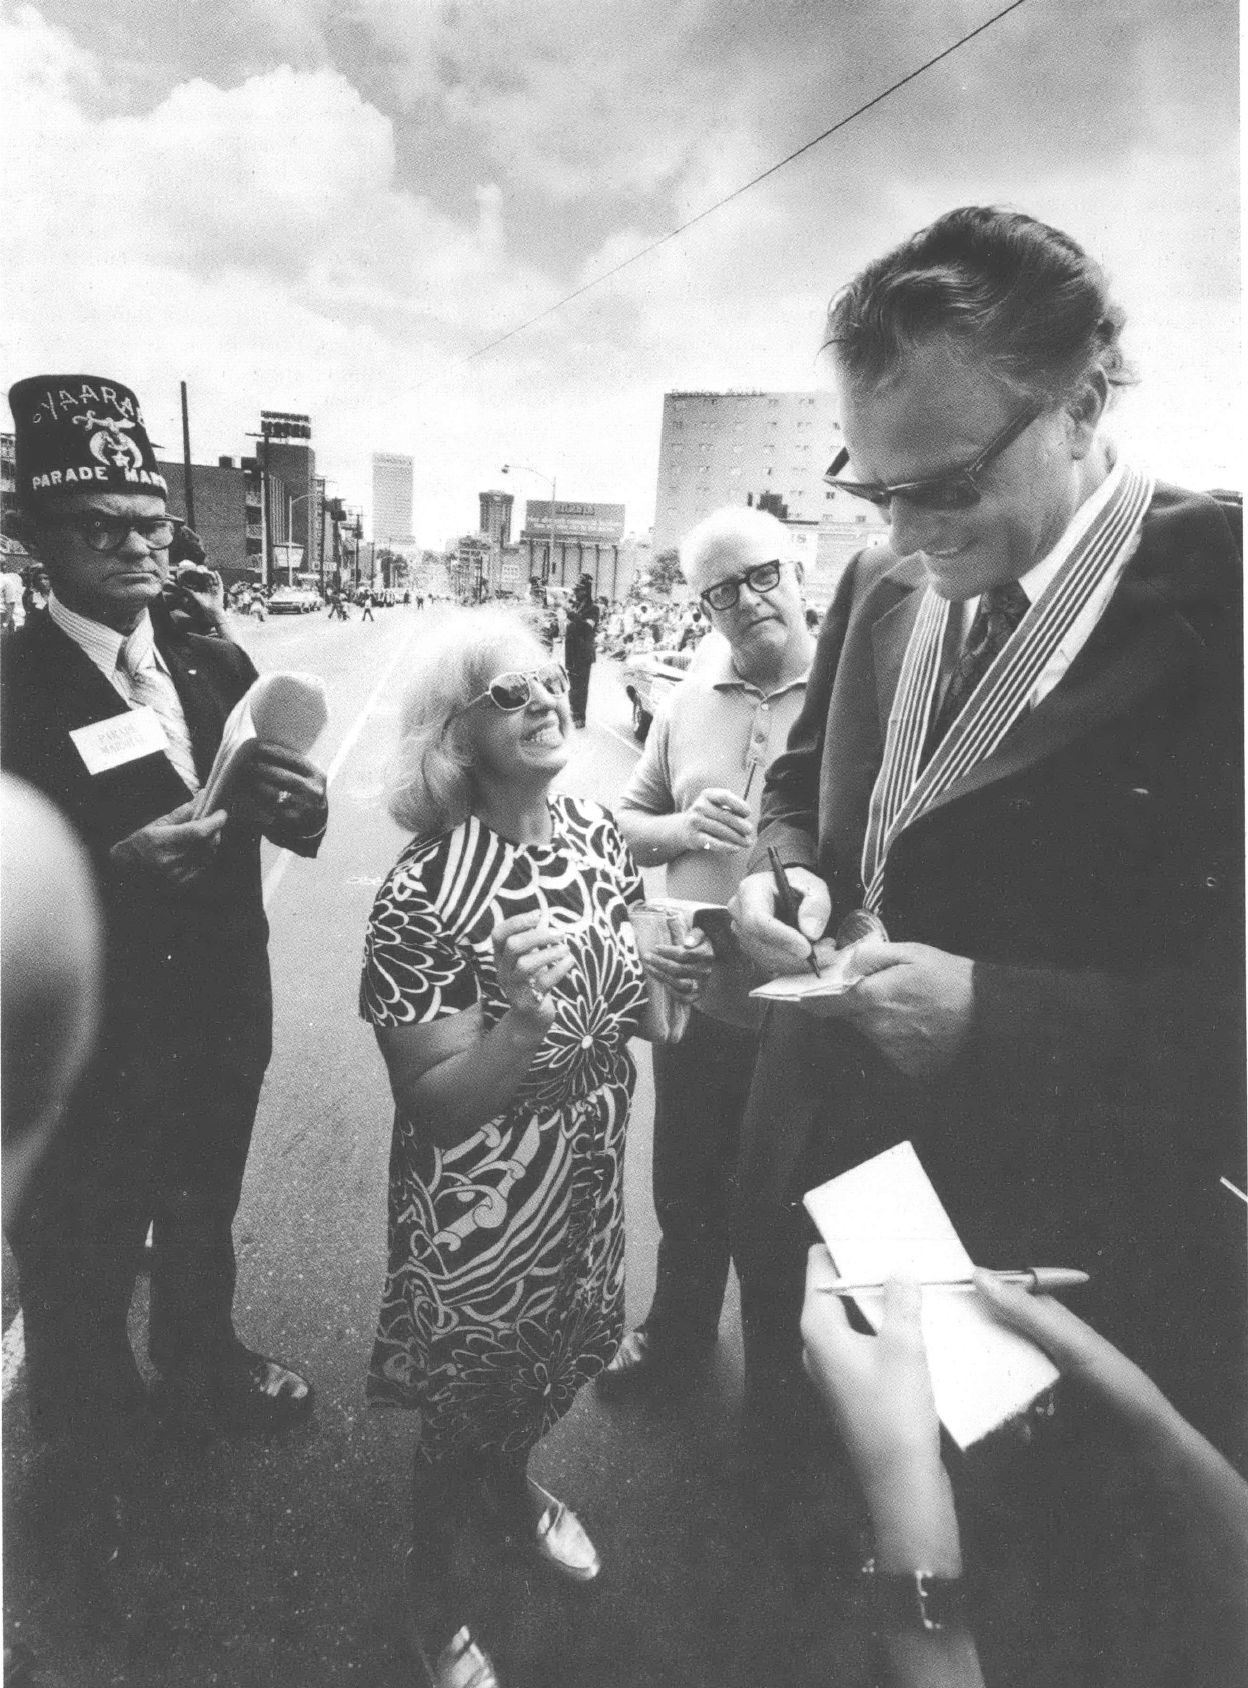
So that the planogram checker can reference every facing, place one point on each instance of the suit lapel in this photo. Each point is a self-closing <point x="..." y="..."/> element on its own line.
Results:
<point x="890" y="635"/>
<point x="1137" y="646"/>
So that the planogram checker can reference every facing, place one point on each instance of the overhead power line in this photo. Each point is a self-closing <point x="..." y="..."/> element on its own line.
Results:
<point x="709" y="210"/>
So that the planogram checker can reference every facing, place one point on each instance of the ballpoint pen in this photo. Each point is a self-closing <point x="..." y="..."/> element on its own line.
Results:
<point x="787" y="904"/>
<point x="1036" y="1280"/>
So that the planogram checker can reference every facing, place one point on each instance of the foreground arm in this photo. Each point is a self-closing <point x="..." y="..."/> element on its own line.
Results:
<point x="879" y="1392"/>
<point x="1208" y="1494"/>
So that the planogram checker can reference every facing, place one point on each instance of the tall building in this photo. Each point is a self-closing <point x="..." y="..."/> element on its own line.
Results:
<point x="741" y="448"/>
<point x="392" y="499"/>
<point x="496" y="517"/>
<point x="285" y="453"/>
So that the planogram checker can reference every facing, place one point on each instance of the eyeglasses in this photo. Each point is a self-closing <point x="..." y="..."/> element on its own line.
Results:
<point x="953" y="489"/>
<point x="109" y="533"/>
<point x="763" y="577"/>
<point x="514" y="690"/>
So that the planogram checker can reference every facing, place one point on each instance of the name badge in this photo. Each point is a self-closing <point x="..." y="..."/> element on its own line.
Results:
<point x="120" y="739"/>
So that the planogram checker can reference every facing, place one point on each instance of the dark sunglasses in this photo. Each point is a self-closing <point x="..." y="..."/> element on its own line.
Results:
<point x="763" y="577"/>
<point x="514" y="690"/>
<point x="109" y="533"/>
<point x="953" y="489"/>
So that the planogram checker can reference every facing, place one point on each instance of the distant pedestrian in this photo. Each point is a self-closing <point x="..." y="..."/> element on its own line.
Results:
<point x="580" y="645"/>
<point x="368" y="608"/>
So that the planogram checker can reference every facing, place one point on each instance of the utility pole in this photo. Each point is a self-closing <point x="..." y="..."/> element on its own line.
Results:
<point x="188" y="479"/>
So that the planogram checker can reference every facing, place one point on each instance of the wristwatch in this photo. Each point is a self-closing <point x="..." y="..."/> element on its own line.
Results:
<point x="913" y="1601"/>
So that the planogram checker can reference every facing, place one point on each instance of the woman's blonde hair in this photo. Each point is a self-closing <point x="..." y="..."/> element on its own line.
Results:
<point x="429" y="776"/>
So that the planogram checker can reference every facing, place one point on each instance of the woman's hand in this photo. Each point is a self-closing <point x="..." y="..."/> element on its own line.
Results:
<point x="684" y="968"/>
<point x="531" y="959"/>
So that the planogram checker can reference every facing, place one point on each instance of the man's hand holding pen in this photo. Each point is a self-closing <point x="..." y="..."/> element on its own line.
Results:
<point x="775" y="948"/>
<point x="718" y="819"/>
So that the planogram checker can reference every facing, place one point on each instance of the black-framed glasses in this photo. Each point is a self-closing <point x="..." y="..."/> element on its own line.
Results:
<point x="109" y="533"/>
<point x="514" y="689"/>
<point x="952" y="489"/>
<point x="763" y="577"/>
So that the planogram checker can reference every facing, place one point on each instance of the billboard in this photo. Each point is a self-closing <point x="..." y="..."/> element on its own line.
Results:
<point x="575" y="521"/>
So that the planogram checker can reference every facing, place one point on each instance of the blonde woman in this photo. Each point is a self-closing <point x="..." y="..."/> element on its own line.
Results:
<point x="503" y="983"/>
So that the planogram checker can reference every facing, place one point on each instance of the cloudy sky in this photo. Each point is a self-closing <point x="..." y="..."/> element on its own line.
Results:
<point x="327" y="205"/>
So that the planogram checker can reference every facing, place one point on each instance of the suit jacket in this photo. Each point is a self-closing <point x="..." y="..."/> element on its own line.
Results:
<point x="1092" y="869"/>
<point x="189" y="958"/>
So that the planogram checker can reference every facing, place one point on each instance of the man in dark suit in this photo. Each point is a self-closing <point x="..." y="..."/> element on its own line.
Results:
<point x="580" y="641"/>
<point x="1020" y="755"/>
<point x="117" y="717"/>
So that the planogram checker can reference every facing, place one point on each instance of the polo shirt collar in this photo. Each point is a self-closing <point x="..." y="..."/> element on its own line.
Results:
<point x="724" y="677"/>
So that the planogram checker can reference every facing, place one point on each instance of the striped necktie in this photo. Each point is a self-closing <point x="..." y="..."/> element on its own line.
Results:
<point x="149" y="685"/>
<point x="997" y="616"/>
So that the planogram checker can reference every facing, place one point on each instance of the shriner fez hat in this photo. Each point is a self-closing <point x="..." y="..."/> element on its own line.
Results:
<point x="79" y="433"/>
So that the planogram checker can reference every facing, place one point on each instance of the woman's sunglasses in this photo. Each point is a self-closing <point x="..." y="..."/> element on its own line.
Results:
<point x="514" y="690"/>
<point x="955" y="489"/>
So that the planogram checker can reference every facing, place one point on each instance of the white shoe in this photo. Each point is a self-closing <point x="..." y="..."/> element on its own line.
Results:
<point x="561" y="1539"/>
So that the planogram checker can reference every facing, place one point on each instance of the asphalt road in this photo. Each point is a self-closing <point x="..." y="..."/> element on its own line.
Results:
<point x="277" y="1564"/>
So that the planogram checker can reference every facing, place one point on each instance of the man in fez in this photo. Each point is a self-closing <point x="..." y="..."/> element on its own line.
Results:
<point x="116" y="716"/>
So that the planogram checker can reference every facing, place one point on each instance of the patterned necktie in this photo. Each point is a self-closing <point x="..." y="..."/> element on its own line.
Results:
<point x="148" y="685"/>
<point x="999" y="612"/>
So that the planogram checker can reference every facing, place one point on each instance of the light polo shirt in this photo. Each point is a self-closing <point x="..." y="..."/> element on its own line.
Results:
<point x="713" y="728"/>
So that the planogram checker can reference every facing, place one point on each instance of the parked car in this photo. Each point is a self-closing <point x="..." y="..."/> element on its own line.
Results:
<point x="649" y="677"/>
<point x="293" y="600"/>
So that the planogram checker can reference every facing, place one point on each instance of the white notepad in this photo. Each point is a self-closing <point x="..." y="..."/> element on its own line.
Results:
<point x="884" y="1217"/>
<point x="287" y="709"/>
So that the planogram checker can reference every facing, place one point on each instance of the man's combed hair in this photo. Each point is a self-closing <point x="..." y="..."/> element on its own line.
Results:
<point x="429" y="776"/>
<point x="1000" y="288"/>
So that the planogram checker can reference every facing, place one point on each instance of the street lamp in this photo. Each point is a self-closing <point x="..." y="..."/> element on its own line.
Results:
<point x="550" y="482"/>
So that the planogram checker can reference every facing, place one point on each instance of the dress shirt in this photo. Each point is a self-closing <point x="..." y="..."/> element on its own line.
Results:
<point x="104" y="646"/>
<point x="711" y="730"/>
<point x="1034" y="583"/>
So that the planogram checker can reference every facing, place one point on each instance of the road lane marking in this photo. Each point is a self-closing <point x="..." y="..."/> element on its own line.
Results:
<point x="630" y="743"/>
<point x="277" y="872"/>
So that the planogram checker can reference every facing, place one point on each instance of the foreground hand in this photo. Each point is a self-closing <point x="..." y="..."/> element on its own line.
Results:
<point x="174" y="849"/>
<point x="684" y="968"/>
<point x="287" y="792"/>
<point x="1078" y="1351"/>
<point x="877" y="1388"/>
<point x="719" y="820"/>
<point x="531" y="959"/>
<point x="771" y="945"/>
<point x="916" y="1004"/>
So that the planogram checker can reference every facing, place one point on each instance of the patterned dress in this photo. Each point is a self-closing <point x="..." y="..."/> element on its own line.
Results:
<point x="505" y="1286"/>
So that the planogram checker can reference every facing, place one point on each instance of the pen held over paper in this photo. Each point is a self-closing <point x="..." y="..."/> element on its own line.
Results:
<point x="1036" y="1280"/>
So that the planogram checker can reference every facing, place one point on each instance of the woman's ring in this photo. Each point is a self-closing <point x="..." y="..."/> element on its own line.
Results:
<point x="706" y="843"/>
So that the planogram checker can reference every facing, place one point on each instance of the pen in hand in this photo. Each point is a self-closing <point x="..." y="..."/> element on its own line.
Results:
<point x="787" y="904"/>
<point x="1036" y="1280"/>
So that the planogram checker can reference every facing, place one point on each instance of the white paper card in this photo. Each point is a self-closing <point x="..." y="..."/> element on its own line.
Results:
<point x="119" y="739"/>
<point x="286" y="709"/>
<point x="885" y="1217"/>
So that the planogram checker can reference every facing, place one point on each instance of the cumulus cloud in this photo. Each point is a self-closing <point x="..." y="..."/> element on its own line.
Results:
<point x="320" y="205"/>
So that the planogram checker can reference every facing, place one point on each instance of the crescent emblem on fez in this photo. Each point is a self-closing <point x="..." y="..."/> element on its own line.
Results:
<point x="110" y="445"/>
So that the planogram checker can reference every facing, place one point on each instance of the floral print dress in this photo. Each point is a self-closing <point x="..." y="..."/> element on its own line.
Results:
<point x="505" y="1287"/>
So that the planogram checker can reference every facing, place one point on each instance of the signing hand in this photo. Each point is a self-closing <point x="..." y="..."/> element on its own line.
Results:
<point x="717" y="819"/>
<point x="173" y="850"/>
<point x="286" y="791"/>
<point x="916" y="1004"/>
<point x="531" y="959"/>
<point x="774" y="947"/>
<point x="684" y="968"/>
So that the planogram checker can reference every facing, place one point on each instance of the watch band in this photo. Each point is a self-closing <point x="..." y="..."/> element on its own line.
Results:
<point x="914" y="1602"/>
